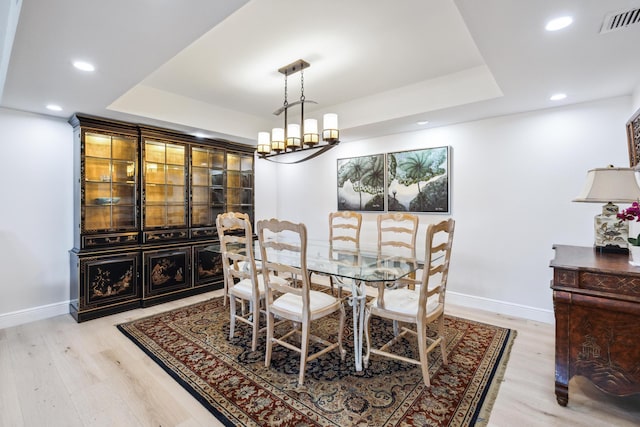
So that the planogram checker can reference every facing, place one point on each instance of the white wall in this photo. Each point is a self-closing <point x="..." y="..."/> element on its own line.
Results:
<point x="513" y="179"/>
<point x="512" y="182"/>
<point x="36" y="186"/>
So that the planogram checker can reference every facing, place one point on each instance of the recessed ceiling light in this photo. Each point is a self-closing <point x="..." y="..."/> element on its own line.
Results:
<point x="558" y="96"/>
<point x="199" y="135"/>
<point x="84" y="66"/>
<point x="558" y="23"/>
<point x="422" y="122"/>
<point x="54" y="107"/>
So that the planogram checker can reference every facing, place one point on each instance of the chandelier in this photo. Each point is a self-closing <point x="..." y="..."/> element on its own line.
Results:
<point x="302" y="136"/>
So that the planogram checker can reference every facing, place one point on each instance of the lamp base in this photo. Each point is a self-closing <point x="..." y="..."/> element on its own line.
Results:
<point x="610" y="232"/>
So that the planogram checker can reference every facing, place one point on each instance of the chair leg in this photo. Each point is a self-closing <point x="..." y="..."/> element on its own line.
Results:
<point x="232" y="312"/>
<point x="267" y="354"/>
<point x="443" y="342"/>
<point x="367" y="318"/>
<point x="255" y="324"/>
<point x="304" y="351"/>
<point x="421" y="329"/>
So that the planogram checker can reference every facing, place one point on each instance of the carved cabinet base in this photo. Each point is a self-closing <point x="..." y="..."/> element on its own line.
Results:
<point x="596" y="300"/>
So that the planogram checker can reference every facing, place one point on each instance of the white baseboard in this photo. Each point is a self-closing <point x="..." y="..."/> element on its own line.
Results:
<point x="15" y="318"/>
<point x="32" y="314"/>
<point x="501" y="307"/>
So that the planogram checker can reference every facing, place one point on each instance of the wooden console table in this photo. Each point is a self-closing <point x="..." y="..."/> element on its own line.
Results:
<point x="596" y="298"/>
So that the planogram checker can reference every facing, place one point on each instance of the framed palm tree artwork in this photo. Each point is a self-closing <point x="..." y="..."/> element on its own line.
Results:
<point x="418" y="180"/>
<point x="361" y="183"/>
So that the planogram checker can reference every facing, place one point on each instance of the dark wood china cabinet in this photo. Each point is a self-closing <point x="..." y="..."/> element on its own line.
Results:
<point x="145" y="205"/>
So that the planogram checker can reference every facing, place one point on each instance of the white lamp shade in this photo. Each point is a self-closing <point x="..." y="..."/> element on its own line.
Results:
<point x="604" y="185"/>
<point x="264" y="143"/>
<point x="330" y="121"/>
<point x="310" y="126"/>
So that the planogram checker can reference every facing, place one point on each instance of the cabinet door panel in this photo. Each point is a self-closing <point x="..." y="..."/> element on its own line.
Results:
<point x="109" y="279"/>
<point x="167" y="271"/>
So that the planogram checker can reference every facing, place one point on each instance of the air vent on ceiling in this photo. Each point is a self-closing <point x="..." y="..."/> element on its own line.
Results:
<point x="619" y="20"/>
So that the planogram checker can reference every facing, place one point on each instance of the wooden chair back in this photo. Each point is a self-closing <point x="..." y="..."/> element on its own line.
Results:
<point x="236" y="246"/>
<point x="283" y="246"/>
<point x="398" y="231"/>
<point x="344" y="226"/>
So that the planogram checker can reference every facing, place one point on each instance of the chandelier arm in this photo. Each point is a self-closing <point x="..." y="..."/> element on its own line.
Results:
<point x="319" y="151"/>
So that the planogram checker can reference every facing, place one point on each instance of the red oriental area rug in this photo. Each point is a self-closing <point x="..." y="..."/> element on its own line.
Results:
<point x="192" y="344"/>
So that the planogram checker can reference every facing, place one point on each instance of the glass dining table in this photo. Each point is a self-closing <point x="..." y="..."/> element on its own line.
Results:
<point x="353" y="268"/>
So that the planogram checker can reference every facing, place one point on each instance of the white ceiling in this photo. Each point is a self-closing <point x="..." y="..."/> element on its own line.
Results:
<point x="211" y="65"/>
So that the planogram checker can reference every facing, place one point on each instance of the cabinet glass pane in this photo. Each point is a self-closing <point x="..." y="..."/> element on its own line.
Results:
<point x="200" y="195"/>
<point x="233" y="179"/>
<point x="123" y="148"/>
<point x="97" y="217"/>
<point x="96" y="169"/>
<point x="233" y="162"/>
<point x="246" y="163"/>
<point x="154" y="152"/>
<point x="247" y="197"/>
<point x="200" y="215"/>
<point x="175" y="154"/>
<point x="97" y="193"/>
<point x="247" y="180"/>
<point x="123" y="171"/>
<point x="217" y="160"/>
<point x="217" y="197"/>
<point x="234" y="196"/>
<point x="175" y="194"/>
<point x="175" y="175"/>
<point x="155" y="216"/>
<point x="97" y="145"/>
<point x="123" y="194"/>
<point x="123" y="216"/>
<point x="217" y="177"/>
<point x="154" y="193"/>
<point x="200" y="176"/>
<point x="176" y="215"/>
<point x="154" y="173"/>
<point x="200" y="157"/>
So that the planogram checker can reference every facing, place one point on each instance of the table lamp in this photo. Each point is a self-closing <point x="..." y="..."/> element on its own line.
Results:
<point x="610" y="185"/>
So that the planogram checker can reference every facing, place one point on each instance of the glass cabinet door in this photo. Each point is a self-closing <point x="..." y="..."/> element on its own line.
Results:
<point x="207" y="185"/>
<point x="110" y="164"/>
<point x="164" y="185"/>
<point x="240" y="183"/>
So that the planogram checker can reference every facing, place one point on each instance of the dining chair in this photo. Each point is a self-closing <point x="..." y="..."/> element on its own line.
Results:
<point x="421" y="306"/>
<point x="344" y="230"/>
<point x="242" y="279"/>
<point x="397" y="232"/>
<point x="283" y="246"/>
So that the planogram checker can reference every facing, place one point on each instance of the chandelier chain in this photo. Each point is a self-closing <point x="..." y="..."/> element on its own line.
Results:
<point x="286" y="103"/>
<point x="302" y="85"/>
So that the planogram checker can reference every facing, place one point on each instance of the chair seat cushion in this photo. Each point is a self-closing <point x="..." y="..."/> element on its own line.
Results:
<point x="243" y="288"/>
<point x="293" y="303"/>
<point x="405" y="301"/>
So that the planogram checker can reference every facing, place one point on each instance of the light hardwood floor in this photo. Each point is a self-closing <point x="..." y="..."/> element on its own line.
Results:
<point x="56" y="372"/>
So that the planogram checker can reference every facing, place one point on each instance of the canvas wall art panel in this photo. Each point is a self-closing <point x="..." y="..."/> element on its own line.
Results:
<point x="361" y="183"/>
<point x="418" y="180"/>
